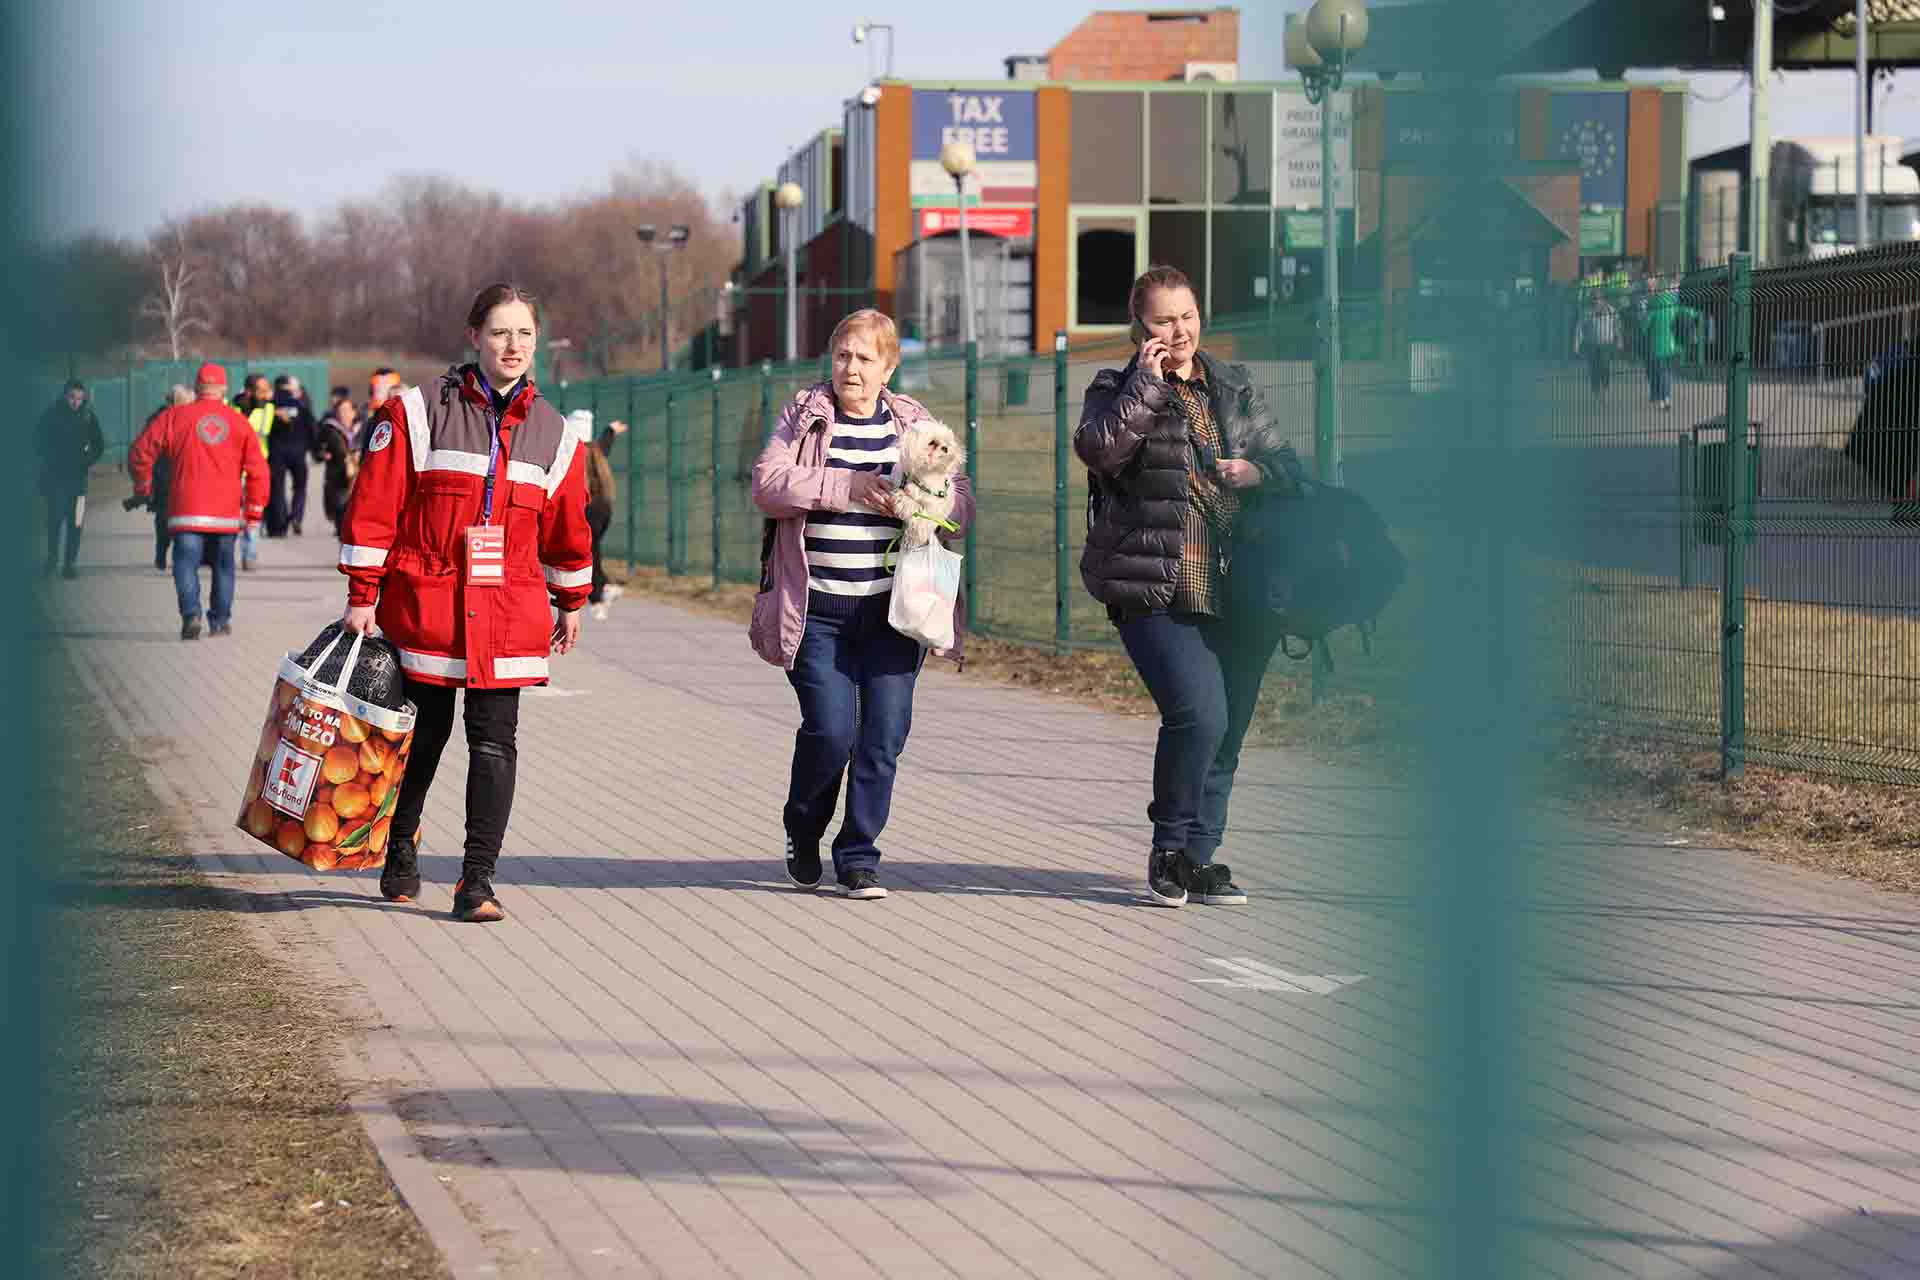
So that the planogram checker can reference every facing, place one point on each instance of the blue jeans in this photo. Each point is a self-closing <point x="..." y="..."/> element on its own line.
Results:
<point x="250" y="545"/>
<point x="855" y="679"/>
<point x="1659" y="378"/>
<point x="1204" y="675"/>
<point x="216" y="549"/>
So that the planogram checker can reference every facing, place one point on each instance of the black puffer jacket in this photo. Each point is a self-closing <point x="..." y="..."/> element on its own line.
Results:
<point x="1134" y="440"/>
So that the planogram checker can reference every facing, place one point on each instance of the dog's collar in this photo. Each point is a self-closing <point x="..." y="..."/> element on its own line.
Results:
<point x="936" y="493"/>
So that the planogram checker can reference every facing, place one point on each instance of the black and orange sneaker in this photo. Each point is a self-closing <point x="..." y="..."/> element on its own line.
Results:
<point x="400" y="877"/>
<point x="473" y="900"/>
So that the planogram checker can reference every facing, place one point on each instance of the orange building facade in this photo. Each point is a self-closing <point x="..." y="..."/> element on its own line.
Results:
<point x="1082" y="184"/>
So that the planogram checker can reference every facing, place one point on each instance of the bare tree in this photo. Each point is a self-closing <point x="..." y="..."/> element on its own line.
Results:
<point x="174" y="305"/>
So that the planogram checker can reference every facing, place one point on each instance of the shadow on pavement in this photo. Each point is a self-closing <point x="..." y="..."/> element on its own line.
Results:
<point x="1870" y="1246"/>
<point x="753" y="875"/>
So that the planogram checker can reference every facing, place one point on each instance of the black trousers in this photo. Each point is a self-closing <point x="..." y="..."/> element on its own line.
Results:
<point x="493" y="716"/>
<point x="599" y="516"/>
<point x="162" y="536"/>
<point x="280" y="513"/>
<point x="62" y="526"/>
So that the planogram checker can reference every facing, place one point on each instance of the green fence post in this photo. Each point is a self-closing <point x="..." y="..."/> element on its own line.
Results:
<point x="716" y="479"/>
<point x="1689" y="481"/>
<point x="766" y="402"/>
<point x="972" y="571"/>
<point x="1324" y="390"/>
<point x="676" y="493"/>
<point x="1062" y="601"/>
<point x="634" y="494"/>
<point x="1739" y="507"/>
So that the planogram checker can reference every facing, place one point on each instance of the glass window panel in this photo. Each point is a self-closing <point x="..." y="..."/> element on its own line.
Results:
<point x="1180" y="240"/>
<point x="1105" y="251"/>
<point x="1242" y="263"/>
<point x="1106" y="148"/>
<point x="1177" y="148"/>
<point x="1242" y="148"/>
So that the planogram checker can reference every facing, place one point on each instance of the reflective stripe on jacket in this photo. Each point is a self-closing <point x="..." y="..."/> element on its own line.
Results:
<point x="421" y="486"/>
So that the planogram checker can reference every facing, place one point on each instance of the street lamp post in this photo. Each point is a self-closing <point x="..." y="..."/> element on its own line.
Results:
<point x="957" y="159"/>
<point x="677" y="236"/>
<point x="789" y="197"/>
<point x="1317" y="46"/>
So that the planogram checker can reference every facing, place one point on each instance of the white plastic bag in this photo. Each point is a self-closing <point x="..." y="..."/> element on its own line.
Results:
<point x="926" y="583"/>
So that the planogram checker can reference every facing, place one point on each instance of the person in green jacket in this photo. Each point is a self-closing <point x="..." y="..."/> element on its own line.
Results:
<point x="1664" y="310"/>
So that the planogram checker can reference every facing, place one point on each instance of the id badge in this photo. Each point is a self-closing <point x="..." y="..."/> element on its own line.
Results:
<point x="486" y="555"/>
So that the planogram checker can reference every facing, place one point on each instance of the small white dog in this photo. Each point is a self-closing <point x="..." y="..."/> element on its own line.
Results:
<point x="930" y="457"/>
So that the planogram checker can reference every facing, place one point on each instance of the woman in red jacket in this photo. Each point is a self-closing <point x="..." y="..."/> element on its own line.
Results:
<point x="469" y="514"/>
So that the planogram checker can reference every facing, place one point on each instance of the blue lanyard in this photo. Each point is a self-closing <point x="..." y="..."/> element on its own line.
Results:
<point x="493" y="454"/>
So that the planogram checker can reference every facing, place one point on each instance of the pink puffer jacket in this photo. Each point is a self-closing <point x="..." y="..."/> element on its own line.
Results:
<point x="790" y="478"/>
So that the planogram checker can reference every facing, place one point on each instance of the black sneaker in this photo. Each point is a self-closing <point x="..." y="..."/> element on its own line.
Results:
<point x="190" y="629"/>
<point x="1164" y="880"/>
<point x="862" y="885"/>
<point x="400" y="878"/>
<point x="70" y="573"/>
<point x="220" y="629"/>
<point x="473" y="900"/>
<point x="1213" y="885"/>
<point x="803" y="865"/>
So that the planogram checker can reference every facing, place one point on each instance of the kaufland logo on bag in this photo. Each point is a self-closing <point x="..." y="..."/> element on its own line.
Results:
<point x="291" y="776"/>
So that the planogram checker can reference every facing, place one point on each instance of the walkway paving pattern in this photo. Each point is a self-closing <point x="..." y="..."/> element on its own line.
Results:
<point x="670" y="1063"/>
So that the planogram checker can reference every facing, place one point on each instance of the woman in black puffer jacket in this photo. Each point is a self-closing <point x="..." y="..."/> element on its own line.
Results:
<point x="1173" y="441"/>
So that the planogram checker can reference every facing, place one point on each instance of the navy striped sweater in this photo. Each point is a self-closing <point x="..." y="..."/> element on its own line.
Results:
<point x="846" y="550"/>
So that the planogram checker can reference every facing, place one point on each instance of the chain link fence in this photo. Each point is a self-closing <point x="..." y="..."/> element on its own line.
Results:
<point x="1754" y="592"/>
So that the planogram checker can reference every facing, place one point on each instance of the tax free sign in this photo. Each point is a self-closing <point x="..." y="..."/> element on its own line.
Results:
<point x="998" y="125"/>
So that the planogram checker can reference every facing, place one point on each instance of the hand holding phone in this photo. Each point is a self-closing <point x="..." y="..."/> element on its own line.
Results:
<point x="1154" y="356"/>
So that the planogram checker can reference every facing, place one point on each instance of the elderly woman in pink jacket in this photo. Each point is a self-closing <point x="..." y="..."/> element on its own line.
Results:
<point x="826" y="575"/>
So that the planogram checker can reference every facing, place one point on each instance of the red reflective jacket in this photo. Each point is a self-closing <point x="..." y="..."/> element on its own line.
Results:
<point x="217" y="472"/>
<point x="421" y="486"/>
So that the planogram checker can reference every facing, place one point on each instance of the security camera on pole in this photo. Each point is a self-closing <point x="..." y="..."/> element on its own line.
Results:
<point x="1317" y="46"/>
<point x="790" y="197"/>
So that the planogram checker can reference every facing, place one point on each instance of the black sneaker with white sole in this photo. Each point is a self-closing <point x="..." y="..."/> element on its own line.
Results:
<point x="862" y="884"/>
<point x="1164" y="880"/>
<point x="1213" y="885"/>
<point x="803" y="865"/>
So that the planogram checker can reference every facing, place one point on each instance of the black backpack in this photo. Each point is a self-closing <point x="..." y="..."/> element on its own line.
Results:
<point x="1315" y="563"/>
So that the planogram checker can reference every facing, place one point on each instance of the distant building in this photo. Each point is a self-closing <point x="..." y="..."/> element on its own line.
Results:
<point x="1085" y="179"/>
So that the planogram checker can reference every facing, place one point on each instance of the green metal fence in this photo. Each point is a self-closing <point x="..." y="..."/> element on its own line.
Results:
<point x="124" y="401"/>
<point x="1753" y="592"/>
<point x="1759" y="602"/>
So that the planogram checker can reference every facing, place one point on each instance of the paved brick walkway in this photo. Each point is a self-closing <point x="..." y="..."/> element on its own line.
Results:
<point x="669" y="1063"/>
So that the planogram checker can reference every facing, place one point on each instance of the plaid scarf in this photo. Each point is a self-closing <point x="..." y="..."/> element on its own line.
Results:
<point x="1211" y="506"/>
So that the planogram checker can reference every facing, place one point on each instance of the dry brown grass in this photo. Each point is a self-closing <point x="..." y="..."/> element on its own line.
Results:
<point x="200" y="1128"/>
<point x="1853" y="829"/>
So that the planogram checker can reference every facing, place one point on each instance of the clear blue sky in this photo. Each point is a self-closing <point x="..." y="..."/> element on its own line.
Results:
<point x="158" y="107"/>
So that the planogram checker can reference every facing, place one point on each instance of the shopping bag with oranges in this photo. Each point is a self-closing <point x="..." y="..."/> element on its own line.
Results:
<point x="326" y="774"/>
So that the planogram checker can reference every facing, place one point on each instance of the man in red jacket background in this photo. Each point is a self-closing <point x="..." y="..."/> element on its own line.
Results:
<point x="218" y="490"/>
